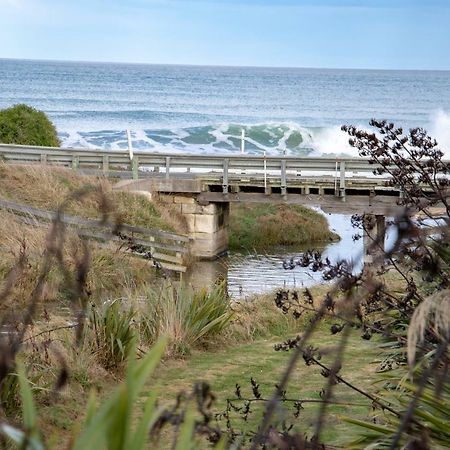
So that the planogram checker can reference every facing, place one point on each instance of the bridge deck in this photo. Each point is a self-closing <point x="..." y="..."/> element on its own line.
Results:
<point x="338" y="183"/>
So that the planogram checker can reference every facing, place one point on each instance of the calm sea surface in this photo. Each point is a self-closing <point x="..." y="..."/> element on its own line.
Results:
<point x="203" y="109"/>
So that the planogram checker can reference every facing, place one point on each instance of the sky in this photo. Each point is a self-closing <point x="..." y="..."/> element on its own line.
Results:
<point x="377" y="34"/>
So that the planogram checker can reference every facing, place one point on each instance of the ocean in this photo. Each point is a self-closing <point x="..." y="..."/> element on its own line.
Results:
<point x="203" y="109"/>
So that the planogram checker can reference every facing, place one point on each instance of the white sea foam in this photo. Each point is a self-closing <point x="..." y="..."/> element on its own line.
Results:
<point x="332" y="140"/>
<point x="440" y="130"/>
<point x="74" y="139"/>
<point x="273" y="138"/>
<point x="220" y="136"/>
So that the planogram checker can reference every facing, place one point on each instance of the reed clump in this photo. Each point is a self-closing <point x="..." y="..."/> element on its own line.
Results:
<point x="111" y="333"/>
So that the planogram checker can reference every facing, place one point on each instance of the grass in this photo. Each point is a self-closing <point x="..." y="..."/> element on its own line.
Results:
<point x="238" y="364"/>
<point x="224" y="357"/>
<point x="113" y="335"/>
<point x="262" y="226"/>
<point x="185" y="316"/>
<point x="112" y="272"/>
<point x="52" y="186"/>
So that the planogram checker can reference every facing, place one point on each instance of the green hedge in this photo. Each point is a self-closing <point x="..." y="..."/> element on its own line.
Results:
<point x="24" y="125"/>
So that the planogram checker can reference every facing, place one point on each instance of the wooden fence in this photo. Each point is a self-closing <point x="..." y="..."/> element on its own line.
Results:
<point x="162" y="248"/>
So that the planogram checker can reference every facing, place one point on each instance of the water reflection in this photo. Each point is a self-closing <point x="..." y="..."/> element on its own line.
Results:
<point x="249" y="274"/>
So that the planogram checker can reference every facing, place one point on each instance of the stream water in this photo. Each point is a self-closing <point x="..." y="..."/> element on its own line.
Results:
<point x="249" y="273"/>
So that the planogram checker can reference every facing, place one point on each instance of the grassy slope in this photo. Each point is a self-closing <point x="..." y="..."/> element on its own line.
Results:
<point x="261" y="226"/>
<point x="112" y="273"/>
<point x="48" y="187"/>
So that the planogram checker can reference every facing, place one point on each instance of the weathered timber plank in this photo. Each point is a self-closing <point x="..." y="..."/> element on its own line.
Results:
<point x="144" y="243"/>
<point x="78" y="221"/>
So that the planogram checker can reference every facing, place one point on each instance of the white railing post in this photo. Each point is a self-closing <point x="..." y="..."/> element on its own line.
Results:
<point x="167" y="167"/>
<point x="130" y="145"/>
<point x="265" y="173"/>
<point x="283" y="178"/>
<point x="133" y="160"/>
<point x="342" y="181"/>
<point x="336" y="193"/>
<point x="225" y="176"/>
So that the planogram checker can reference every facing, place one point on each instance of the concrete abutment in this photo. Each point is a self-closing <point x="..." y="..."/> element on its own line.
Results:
<point x="374" y="236"/>
<point x="207" y="224"/>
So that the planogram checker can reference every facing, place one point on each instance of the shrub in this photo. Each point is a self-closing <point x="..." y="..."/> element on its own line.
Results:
<point x="185" y="316"/>
<point x="113" y="333"/>
<point x="24" y="125"/>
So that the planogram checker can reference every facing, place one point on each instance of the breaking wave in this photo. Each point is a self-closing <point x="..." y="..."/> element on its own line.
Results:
<point x="272" y="138"/>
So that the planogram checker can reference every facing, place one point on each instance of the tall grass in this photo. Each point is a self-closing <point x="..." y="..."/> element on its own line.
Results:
<point x="9" y="394"/>
<point x="186" y="316"/>
<point x="262" y="226"/>
<point x="55" y="184"/>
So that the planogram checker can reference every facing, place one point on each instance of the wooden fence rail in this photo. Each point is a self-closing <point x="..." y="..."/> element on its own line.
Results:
<point x="168" y="249"/>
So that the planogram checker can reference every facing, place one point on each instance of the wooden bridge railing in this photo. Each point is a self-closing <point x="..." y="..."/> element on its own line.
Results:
<point x="224" y="166"/>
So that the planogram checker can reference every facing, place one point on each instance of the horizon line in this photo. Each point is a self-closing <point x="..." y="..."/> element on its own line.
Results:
<point x="76" y="61"/>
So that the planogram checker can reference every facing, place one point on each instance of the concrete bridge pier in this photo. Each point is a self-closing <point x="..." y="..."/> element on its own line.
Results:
<point x="207" y="224"/>
<point x="373" y="237"/>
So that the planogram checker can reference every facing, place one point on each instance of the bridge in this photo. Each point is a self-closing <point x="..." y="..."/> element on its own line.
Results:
<point x="202" y="187"/>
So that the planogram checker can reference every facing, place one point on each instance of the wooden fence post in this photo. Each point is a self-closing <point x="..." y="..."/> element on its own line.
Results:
<point x="135" y="167"/>
<point x="105" y="164"/>
<point x="167" y="167"/>
<point x="75" y="162"/>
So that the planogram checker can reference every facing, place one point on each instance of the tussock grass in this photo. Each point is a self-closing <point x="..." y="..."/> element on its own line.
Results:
<point x="187" y="317"/>
<point x="48" y="187"/>
<point x="262" y="226"/>
<point x="111" y="333"/>
<point x="258" y="317"/>
<point x="112" y="271"/>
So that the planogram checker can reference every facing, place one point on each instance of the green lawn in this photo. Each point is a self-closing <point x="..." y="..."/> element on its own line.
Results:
<point x="223" y="368"/>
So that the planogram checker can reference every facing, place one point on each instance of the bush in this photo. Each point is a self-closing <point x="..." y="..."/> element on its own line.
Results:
<point x="113" y="334"/>
<point x="24" y="125"/>
<point x="185" y="316"/>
